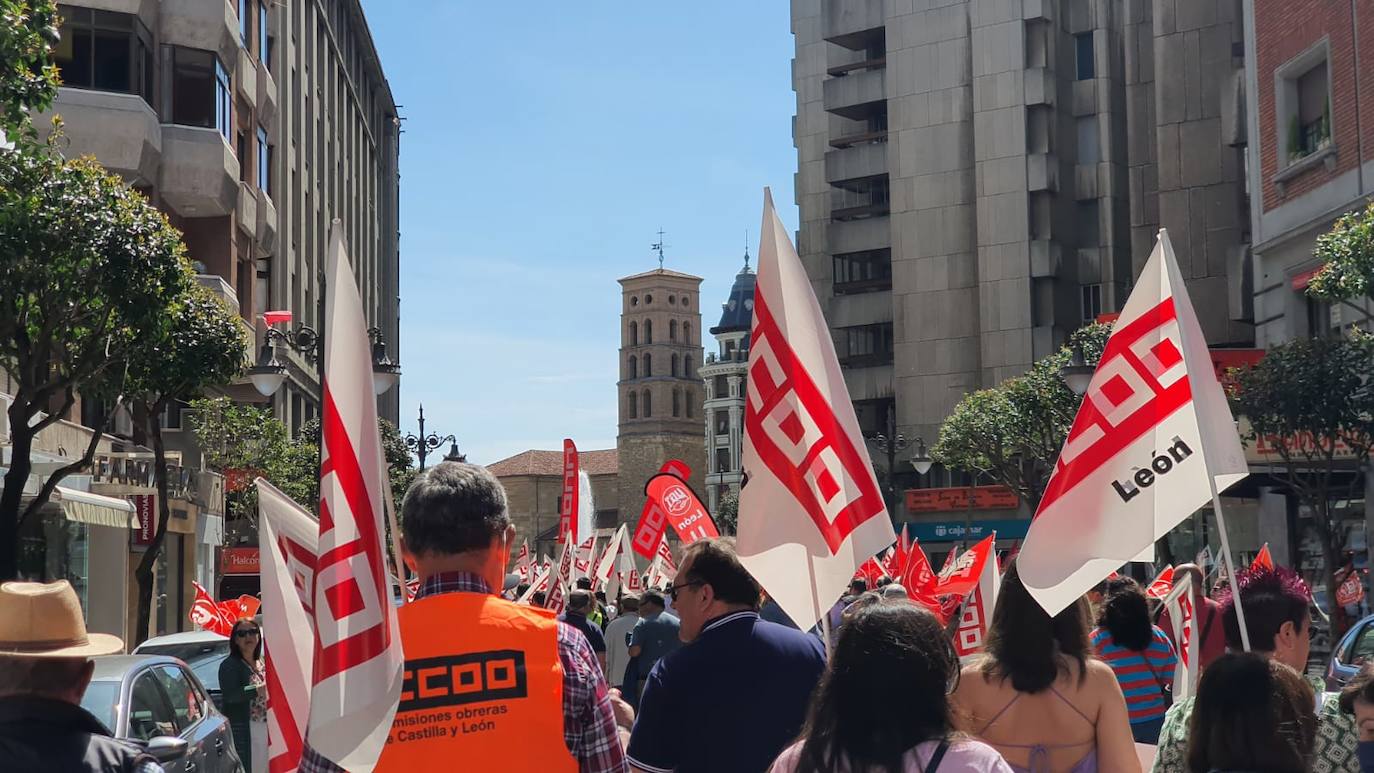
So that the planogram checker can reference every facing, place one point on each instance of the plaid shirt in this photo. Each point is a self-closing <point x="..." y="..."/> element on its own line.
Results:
<point x="589" y="727"/>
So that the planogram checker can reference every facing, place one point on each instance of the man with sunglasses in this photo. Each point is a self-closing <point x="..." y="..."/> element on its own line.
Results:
<point x="741" y="685"/>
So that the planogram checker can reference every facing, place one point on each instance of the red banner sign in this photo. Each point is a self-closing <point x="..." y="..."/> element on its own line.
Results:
<point x="147" y="518"/>
<point x="684" y="510"/>
<point x="1351" y="590"/>
<point x="652" y="519"/>
<point x="941" y="500"/>
<point x="569" y="509"/>
<point x="239" y="561"/>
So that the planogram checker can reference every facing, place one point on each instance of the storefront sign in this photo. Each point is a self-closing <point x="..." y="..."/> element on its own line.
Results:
<point x="1265" y="448"/>
<point x="1223" y="360"/>
<point x="951" y="531"/>
<point x="147" y="518"/>
<point x="941" y="500"/>
<point x="239" y="561"/>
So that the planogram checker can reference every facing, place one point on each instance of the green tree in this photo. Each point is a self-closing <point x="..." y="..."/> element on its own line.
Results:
<point x="203" y="347"/>
<point x="88" y="270"/>
<point x="1347" y="252"/>
<point x="1013" y="432"/>
<point x="28" y="77"/>
<point x="1308" y="398"/>
<point x="727" y="513"/>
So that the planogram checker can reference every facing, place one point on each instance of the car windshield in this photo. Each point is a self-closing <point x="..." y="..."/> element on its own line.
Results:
<point x="100" y="699"/>
<point x="206" y="668"/>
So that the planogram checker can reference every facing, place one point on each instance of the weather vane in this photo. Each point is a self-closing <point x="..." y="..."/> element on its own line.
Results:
<point x="658" y="247"/>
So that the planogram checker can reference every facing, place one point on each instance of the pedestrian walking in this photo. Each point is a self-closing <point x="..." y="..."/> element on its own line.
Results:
<point x="1211" y="637"/>
<point x="737" y="693"/>
<point x="618" y="640"/>
<point x="1357" y="700"/>
<point x="1139" y="654"/>
<point x="883" y="703"/>
<point x="580" y="604"/>
<point x="1039" y="697"/>
<point x="1276" y="613"/>
<point x="1252" y="715"/>
<point x="243" y="688"/>
<point x="45" y="667"/>
<point x="552" y="714"/>
<point x="654" y="636"/>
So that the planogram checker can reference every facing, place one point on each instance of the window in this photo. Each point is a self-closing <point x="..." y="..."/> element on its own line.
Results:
<point x="149" y="714"/>
<point x="241" y="150"/>
<point x="106" y="51"/>
<point x="246" y="22"/>
<point x="186" y="707"/>
<point x="634" y="367"/>
<point x="1092" y="302"/>
<point x="868" y="344"/>
<point x="1083" y="48"/>
<point x="722" y="460"/>
<point x="634" y="334"/>
<point x="264" y="163"/>
<point x="631" y="407"/>
<point x="1302" y="104"/>
<point x="674" y="363"/>
<point x="872" y="415"/>
<point x="686" y="329"/>
<point x="722" y="422"/>
<point x="691" y="399"/>
<point x="687" y="368"/>
<point x="648" y="331"/>
<point x="1313" y="116"/>
<point x="729" y="353"/>
<point x="200" y="90"/>
<point x="858" y="272"/>
<point x="722" y="387"/>
<point x="264" y="41"/>
<point x="648" y="365"/>
<point x="1089" y="224"/>
<point x="1089" y="151"/>
<point x="648" y="404"/>
<point x="672" y="329"/>
<point x="677" y="403"/>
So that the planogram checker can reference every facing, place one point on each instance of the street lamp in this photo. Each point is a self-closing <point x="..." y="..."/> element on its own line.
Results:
<point x="423" y="444"/>
<point x="921" y="461"/>
<point x="890" y="443"/>
<point x="1078" y="373"/>
<point x="270" y="372"/>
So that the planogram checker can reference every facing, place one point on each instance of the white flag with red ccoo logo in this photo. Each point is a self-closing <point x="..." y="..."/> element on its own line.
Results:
<point x="358" y="660"/>
<point x="287" y="537"/>
<point x="812" y="512"/>
<point x="1151" y="439"/>
<point x="1183" y="615"/>
<point x="972" y="632"/>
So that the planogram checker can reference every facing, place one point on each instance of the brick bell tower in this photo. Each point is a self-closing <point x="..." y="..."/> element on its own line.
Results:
<point x="660" y="391"/>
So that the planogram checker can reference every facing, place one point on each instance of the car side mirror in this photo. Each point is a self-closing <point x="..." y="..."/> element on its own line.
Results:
<point x="167" y="748"/>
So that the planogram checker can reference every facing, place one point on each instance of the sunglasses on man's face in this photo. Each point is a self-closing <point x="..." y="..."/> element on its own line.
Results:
<point x="245" y="633"/>
<point x="672" y="592"/>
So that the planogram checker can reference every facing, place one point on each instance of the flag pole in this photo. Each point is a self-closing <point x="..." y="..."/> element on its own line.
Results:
<point x="823" y="614"/>
<point x="1230" y="565"/>
<point x="395" y="544"/>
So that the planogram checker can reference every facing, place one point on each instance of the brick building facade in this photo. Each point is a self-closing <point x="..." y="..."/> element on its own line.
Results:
<point x="533" y="481"/>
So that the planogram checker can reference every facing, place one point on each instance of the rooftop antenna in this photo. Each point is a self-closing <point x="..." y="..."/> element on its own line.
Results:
<point x="746" y="249"/>
<point x="658" y="246"/>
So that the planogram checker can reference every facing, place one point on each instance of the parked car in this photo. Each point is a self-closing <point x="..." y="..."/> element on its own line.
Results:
<point x="1354" y="650"/>
<point x="203" y="651"/>
<point x="158" y="703"/>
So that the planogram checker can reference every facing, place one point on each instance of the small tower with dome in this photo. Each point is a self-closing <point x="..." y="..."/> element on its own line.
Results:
<point x="723" y="375"/>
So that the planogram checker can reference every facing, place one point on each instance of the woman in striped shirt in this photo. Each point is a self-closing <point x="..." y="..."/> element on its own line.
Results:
<point x="1139" y="654"/>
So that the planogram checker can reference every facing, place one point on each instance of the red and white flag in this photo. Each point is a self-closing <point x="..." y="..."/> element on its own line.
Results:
<point x="684" y="509"/>
<point x="1350" y="591"/>
<point x="1178" y="603"/>
<point x="557" y="597"/>
<point x="582" y="562"/>
<point x="1152" y="437"/>
<point x="1263" y="559"/>
<point x="540" y="582"/>
<point x="1162" y="584"/>
<point x="522" y="561"/>
<point x="667" y="567"/>
<point x="207" y="615"/>
<point x="567" y="514"/>
<point x="358" y="659"/>
<point x="917" y="576"/>
<point x="288" y="538"/>
<point x="972" y="632"/>
<point x="812" y="512"/>
<point x="605" y="565"/>
<point x="870" y="572"/>
<point x="961" y="575"/>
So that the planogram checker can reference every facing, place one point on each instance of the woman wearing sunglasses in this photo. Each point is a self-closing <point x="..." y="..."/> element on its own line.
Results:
<point x="244" y="687"/>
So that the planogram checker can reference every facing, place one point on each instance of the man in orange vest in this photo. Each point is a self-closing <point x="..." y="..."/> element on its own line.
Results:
<point x="490" y="683"/>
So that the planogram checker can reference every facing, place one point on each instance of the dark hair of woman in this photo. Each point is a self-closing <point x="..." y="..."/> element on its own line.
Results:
<point x="1024" y="644"/>
<point x="234" y="650"/>
<point x="885" y="691"/>
<point x="1251" y="713"/>
<point x="1125" y="613"/>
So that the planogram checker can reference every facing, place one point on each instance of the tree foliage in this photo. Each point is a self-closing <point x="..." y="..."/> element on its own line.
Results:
<point x="28" y="77"/>
<point x="1347" y="252"/>
<point x="727" y="513"/>
<point x="88" y="271"/>
<point x="1312" y="400"/>
<point x="1012" y="433"/>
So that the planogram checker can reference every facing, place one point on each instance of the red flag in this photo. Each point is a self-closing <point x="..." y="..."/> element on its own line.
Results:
<point x="1351" y="589"/>
<point x="567" y="515"/>
<point x="653" y="520"/>
<point x="1162" y="584"/>
<point x="557" y="598"/>
<point x="1263" y="559"/>
<point x="209" y="615"/>
<point x="960" y="577"/>
<point x="917" y="576"/>
<point x="632" y="582"/>
<point x="870" y="572"/>
<point x="891" y="561"/>
<point x="812" y="512"/>
<point x="358" y="660"/>
<point x="276" y="317"/>
<point x="684" y="510"/>
<point x="971" y="634"/>
<point x="1152" y="439"/>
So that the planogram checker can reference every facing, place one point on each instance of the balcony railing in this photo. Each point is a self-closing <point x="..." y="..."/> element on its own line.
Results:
<point x="866" y="64"/>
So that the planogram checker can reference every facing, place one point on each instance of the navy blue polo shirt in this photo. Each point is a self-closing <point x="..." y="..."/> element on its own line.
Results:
<point x="593" y="633"/>
<point x="730" y="701"/>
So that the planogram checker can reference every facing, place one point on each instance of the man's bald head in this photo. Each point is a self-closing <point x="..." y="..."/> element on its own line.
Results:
<point x="1195" y="572"/>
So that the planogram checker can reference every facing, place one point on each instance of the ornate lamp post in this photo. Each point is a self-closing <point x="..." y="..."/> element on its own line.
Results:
<point x="1078" y="373"/>
<point x="423" y="444"/>
<point x="270" y="372"/>
<point x="890" y="443"/>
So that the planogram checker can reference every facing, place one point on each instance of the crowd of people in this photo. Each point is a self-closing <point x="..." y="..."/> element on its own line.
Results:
<point x="708" y="675"/>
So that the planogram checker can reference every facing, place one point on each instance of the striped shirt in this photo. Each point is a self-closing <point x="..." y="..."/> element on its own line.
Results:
<point x="1140" y="674"/>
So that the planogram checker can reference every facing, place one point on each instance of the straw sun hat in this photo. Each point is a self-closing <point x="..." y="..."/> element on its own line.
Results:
<point x="44" y="620"/>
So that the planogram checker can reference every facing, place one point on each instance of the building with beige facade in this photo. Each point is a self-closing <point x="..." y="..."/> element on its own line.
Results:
<point x="533" y="481"/>
<point x="724" y="375"/>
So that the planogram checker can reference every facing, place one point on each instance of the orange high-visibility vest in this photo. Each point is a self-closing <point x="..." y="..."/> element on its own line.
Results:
<point x="482" y="690"/>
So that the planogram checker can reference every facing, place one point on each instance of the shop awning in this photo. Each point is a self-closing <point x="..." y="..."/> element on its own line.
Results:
<point x="94" y="509"/>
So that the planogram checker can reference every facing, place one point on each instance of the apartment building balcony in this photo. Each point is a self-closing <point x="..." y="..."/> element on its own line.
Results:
<point x="120" y="130"/>
<point x="854" y="95"/>
<point x="852" y="23"/>
<point x="267" y="98"/>
<point x="872" y="233"/>
<point x="199" y="175"/>
<point x="221" y="289"/>
<point x="246" y="77"/>
<point x="209" y="26"/>
<point x="856" y="162"/>
<point x="246" y="209"/>
<point x="1046" y="258"/>
<point x="860" y="198"/>
<point x="267" y="223"/>
<point x="1042" y="172"/>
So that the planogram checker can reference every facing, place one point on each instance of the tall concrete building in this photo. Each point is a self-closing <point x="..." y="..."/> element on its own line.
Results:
<point x="724" y="374"/>
<point x="978" y="178"/>
<point x="660" y="390"/>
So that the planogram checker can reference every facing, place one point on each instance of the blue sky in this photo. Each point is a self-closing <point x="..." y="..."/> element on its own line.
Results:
<point x="544" y="146"/>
